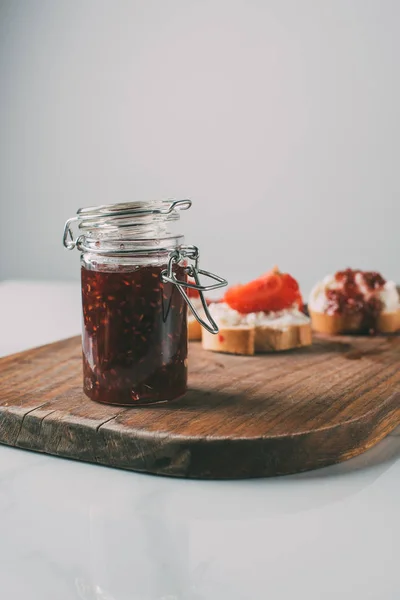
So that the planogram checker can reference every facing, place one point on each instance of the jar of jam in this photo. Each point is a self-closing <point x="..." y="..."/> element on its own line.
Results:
<point x="134" y="274"/>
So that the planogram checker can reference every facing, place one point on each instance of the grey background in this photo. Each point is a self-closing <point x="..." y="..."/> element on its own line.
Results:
<point x="279" y="118"/>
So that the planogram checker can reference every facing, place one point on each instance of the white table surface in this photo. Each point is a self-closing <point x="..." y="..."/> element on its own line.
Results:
<point x="71" y="530"/>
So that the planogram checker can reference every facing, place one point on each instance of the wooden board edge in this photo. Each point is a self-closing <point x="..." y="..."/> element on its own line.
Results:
<point x="213" y="459"/>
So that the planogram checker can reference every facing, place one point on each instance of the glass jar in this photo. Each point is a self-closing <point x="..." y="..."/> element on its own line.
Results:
<point x="134" y="275"/>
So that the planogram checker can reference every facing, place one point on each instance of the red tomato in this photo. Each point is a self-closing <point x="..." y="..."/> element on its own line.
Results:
<point x="273" y="291"/>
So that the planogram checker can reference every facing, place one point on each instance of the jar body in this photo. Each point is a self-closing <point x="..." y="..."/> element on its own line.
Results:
<point x="134" y="337"/>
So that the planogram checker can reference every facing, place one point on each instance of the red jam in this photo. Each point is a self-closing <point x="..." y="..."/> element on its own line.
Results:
<point x="134" y="336"/>
<point x="352" y="298"/>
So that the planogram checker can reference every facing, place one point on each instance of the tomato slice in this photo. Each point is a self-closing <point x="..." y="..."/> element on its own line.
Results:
<point x="273" y="291"/>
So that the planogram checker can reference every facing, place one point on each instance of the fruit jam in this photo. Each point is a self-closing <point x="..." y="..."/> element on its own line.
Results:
<point x="357" y="293"/>
<point x="134" y="336"/>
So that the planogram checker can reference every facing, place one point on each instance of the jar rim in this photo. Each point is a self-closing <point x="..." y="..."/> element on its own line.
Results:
<point x="125" y="247"/>
<point x="126" y="214"/>
<point x="144" y="216"/>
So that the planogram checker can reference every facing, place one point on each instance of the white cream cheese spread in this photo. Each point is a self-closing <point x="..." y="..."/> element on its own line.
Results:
<point x="228" y="317"/>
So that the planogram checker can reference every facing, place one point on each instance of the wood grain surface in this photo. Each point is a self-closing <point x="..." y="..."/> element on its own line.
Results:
<point x="253" y="416"/>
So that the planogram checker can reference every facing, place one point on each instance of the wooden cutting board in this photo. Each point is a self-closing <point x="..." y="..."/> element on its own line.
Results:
<point x="242" y="416"/>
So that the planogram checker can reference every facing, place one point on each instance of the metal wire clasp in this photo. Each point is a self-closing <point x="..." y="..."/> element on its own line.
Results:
<point x="68" y="236"/>
<point x="167" y="275"/>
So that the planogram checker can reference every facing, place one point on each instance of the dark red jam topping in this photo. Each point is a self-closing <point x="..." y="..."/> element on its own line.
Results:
<point x="134" y="336"/>
<point x="350" y="298"/>
<point x="372" y="280"/>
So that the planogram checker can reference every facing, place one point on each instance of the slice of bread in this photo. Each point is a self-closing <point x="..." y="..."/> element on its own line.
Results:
<point x="249" y="340"/>
<point x="387" y="322"/>
<point x="234" y="340"/>
<point x="271" y="339"/>
<point x="194" y="329"/>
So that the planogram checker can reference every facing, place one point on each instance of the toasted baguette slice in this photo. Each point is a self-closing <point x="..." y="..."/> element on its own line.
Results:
<point x="389" y="322"/>
<point x="336" y="324"/>
<point x="234" y="340"/>
<point x="194" y="329"/>
<point x="271" y="339"/>
<point x="248" y="340"/>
